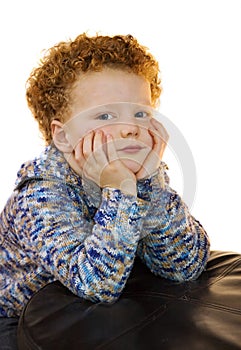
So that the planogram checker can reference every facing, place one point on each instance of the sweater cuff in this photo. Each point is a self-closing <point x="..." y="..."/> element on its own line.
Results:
<point x="147" y="186"/>
<point x="122" y="213"/>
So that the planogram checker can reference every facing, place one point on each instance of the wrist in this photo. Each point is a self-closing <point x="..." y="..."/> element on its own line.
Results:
<point x="128" y="186"/>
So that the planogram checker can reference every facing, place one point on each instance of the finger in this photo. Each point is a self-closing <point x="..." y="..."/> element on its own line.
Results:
<point x="98" y="149"/>
<point x="78" y="153"/>
<point x="157" y="140"/>
<point x="158" y="147"/>
<point x="159" y="135"/>
<point x="87" y="145"/>
<point x="110" y="148"/>
<point x="160" y="129"/>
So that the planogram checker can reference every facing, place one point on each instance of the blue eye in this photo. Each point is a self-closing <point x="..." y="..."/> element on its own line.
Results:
<point x="105" y="116"/>
<point x="142" y="114"/>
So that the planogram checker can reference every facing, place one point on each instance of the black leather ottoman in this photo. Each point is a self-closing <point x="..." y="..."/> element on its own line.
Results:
<point x="152" y="313"/>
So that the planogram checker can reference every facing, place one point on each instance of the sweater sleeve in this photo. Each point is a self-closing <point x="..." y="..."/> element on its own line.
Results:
<point x="92" y="257"/>
<point x="174" y="243"/>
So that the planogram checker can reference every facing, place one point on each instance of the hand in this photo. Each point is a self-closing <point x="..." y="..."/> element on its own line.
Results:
<point x="152" y="161"/>
<point x="99" y="162"/>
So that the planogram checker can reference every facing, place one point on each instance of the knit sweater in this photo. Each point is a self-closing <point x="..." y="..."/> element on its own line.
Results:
<point x="57" y="226"/>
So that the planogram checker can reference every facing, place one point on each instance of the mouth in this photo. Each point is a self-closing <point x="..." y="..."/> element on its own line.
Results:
<point x="131" y="149"/>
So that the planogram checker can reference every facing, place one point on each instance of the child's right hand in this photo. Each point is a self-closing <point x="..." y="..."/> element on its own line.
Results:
<point x="100" y="163"/>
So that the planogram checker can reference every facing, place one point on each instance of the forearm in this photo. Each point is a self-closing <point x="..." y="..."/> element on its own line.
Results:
<point x="111" y="248"/>
<point x="177" y="251"/>
<point x="175" y="245"/>
<point x="92" y="259"/>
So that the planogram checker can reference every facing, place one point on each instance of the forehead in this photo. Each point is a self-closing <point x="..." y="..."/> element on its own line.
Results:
<point x="109" y="86"/>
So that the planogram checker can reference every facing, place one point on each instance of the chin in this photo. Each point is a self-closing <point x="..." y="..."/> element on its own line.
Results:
<point x="132" y="165"/>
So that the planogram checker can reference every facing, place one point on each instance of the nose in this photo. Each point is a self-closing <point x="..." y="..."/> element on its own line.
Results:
<point x="129" y="130"/>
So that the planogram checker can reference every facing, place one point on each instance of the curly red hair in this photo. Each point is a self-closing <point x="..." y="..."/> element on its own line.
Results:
<point x="50" y="85"/>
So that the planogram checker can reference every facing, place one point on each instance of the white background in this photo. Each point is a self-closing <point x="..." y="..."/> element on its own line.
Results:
<point x="198" y="45"/>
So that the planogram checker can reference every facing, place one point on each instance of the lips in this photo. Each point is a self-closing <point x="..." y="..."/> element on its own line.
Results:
<point x="131" y="149"/>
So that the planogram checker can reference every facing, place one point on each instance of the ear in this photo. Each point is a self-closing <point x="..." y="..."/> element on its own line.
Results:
<point x="60" y="138"/>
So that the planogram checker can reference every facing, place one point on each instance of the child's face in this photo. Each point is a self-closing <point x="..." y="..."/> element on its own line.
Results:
<point x="98" y="104"/>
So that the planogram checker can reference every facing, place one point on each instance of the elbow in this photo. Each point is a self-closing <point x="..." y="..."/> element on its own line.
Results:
<point x="194" y="269"/>
<point x="101" y="297"/>
<point x="101" y="293"/>
<point x="196" y="261"/>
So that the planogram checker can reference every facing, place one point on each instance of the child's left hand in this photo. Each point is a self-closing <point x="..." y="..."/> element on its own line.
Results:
<point x="152" y="161"/>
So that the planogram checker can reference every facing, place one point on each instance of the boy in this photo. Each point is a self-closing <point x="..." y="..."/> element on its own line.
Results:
<point x="98" y="196"/>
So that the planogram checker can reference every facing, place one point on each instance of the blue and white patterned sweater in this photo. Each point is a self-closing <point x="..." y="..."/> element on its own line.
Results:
<point x="56" y="226"/>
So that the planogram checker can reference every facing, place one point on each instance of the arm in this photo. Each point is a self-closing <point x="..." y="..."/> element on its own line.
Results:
<point x="93" y="258"/>
<point x="175" y="245"/>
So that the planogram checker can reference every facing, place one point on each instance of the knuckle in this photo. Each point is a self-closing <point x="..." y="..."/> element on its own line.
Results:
<point x="78" y="157"/>
<point x="85" y="153"/>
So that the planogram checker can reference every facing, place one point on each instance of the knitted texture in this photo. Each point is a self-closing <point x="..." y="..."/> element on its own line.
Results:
<point x="56" y="226"/>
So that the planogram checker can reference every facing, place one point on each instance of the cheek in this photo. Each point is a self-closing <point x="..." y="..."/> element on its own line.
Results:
<point x="81" y="128"/>
<point x="108" y="129"/>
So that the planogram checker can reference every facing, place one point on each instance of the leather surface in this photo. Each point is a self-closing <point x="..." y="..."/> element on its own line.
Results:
<point x="152" y="313"/>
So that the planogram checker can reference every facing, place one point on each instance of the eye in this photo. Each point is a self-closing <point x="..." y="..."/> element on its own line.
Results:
<point x="142" y="114"/>
<point x="105" y="116"/>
